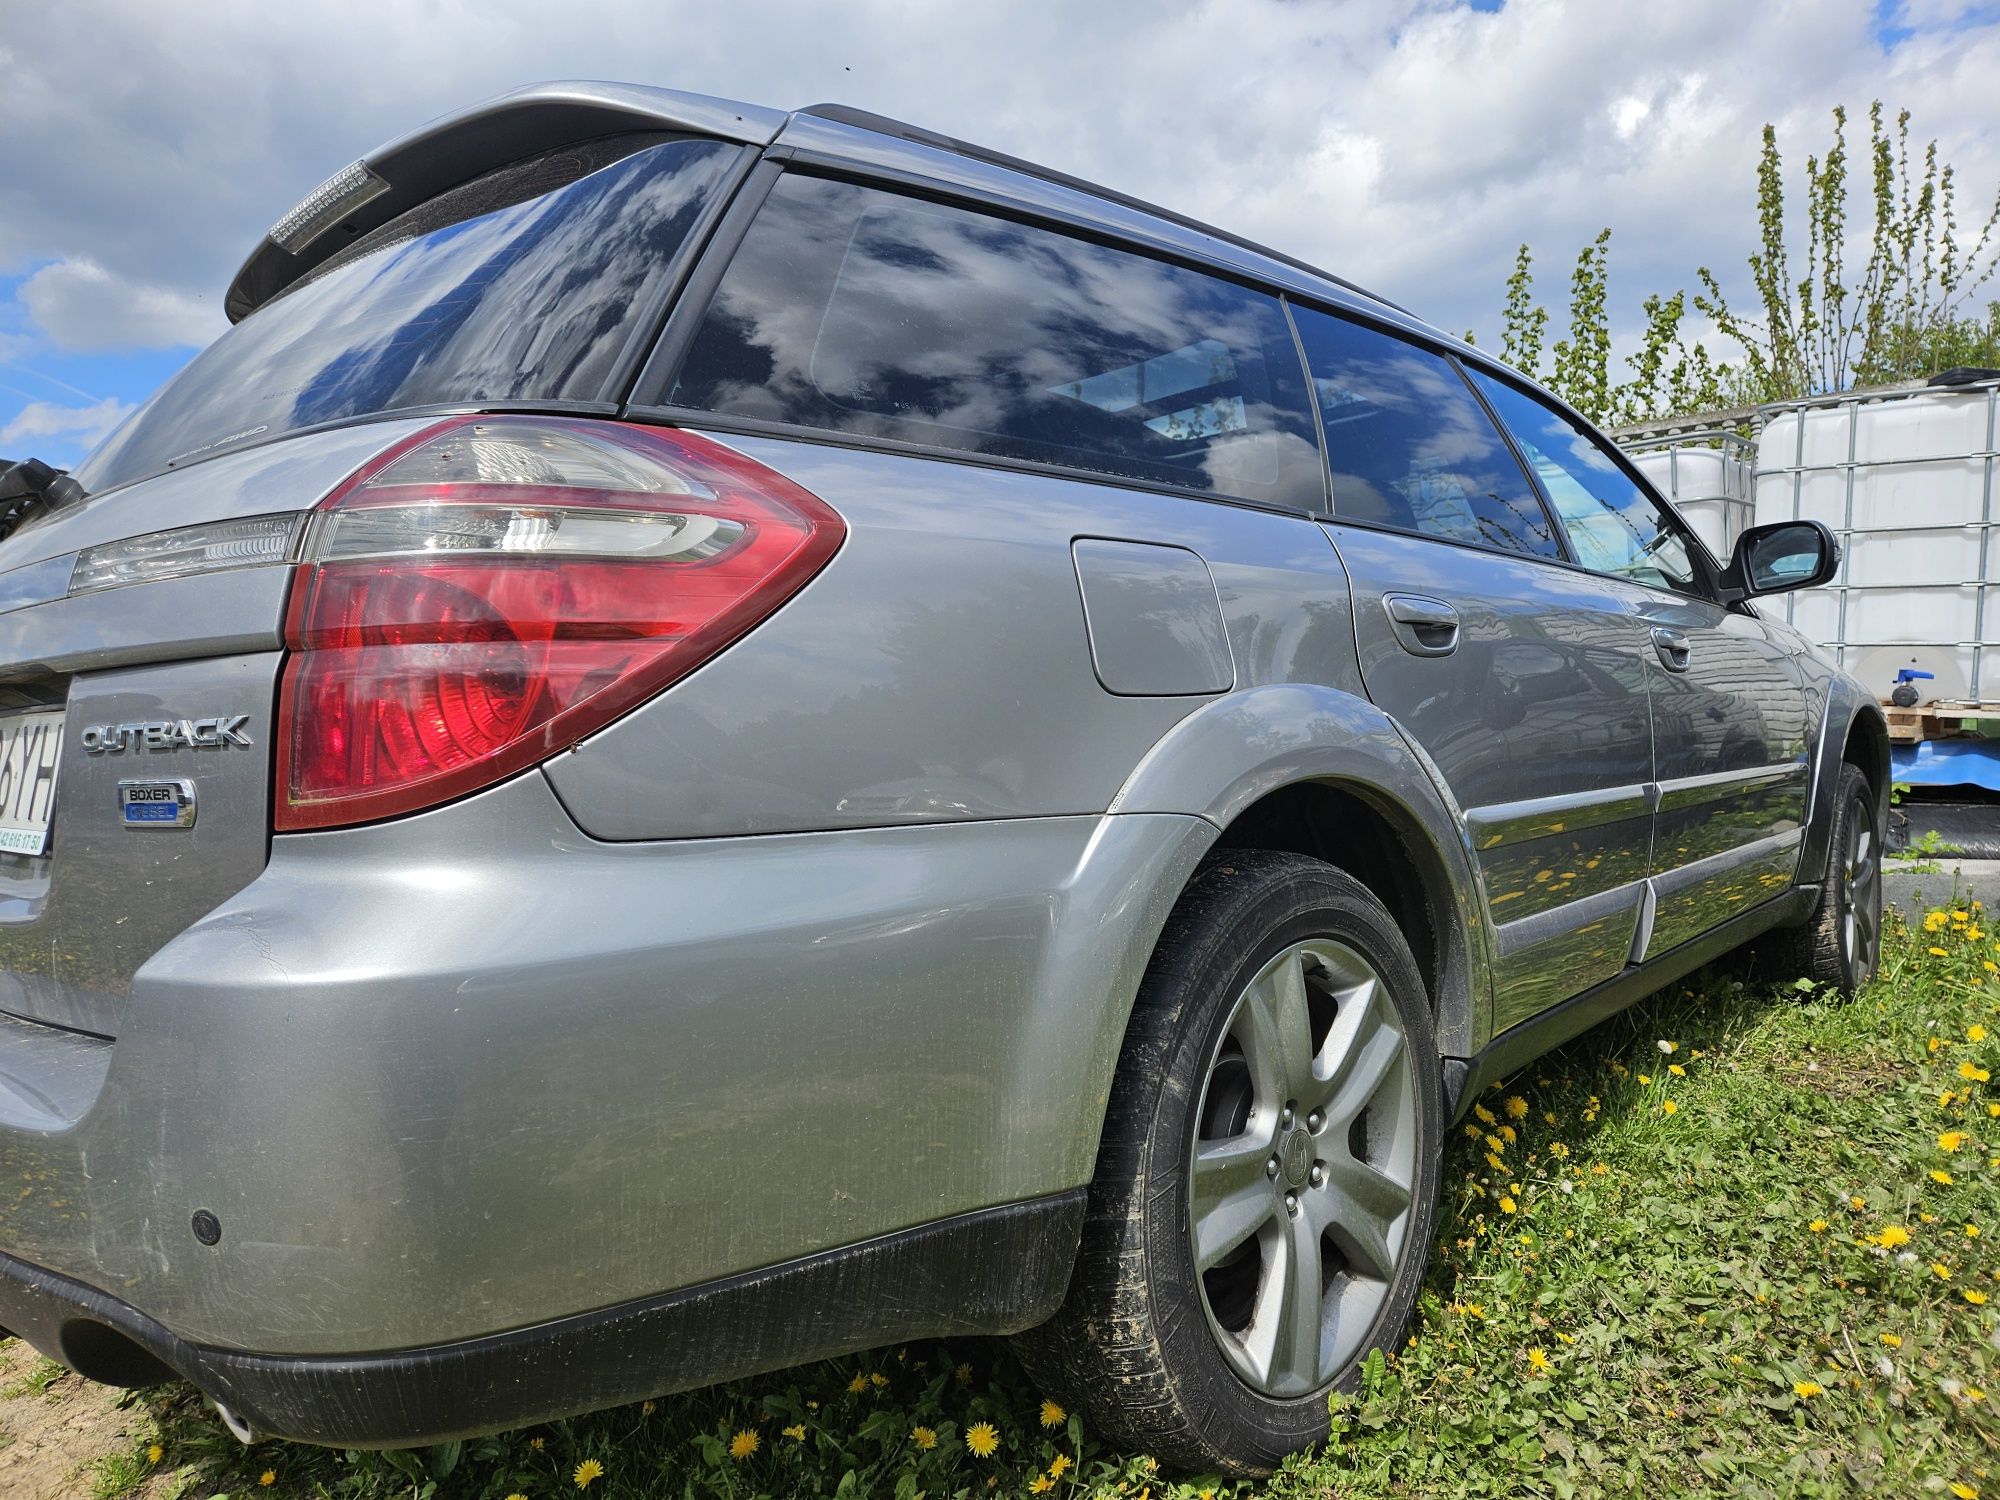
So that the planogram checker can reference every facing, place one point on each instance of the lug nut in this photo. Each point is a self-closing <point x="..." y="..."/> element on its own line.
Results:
<point x="1271" y="1167"/>
<point x="1318" y="1175"/>
<point x="1292" y="1204"/>
<point x="1315" y="1120"/>
<point x="1286" y="1117"/>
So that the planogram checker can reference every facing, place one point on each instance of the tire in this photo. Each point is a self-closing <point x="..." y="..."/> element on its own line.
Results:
<point x="1839" y="944"/>
<point x="1208" y="1373"/>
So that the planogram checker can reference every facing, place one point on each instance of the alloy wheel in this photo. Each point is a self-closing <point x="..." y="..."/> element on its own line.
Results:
<point x="1861" y="875"/>
<point x="1301" y="1173"/>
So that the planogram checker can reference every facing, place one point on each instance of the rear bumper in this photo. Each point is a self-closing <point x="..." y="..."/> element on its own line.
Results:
<point x="473" y="1072"/>
<point x="996" y="1271"/>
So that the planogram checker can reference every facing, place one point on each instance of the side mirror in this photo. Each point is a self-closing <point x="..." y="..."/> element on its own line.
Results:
<point x="1778" y="558"/>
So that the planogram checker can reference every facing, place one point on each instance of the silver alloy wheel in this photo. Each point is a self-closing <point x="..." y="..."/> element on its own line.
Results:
<point x="1301" y="1171"/>
<point x="1861" y="872"/>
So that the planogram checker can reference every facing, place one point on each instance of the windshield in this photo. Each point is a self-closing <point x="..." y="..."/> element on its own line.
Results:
<point x="522" y="285"/>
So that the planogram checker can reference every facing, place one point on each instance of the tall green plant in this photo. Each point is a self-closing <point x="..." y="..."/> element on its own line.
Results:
<point x="1582" y="370"/>
<point x="1524" y="323"/>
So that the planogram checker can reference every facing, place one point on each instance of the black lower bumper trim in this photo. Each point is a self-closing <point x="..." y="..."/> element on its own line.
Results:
<point x="996" y="1270"/>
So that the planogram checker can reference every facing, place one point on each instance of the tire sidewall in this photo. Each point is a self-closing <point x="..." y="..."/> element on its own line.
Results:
<point x="1311" y="902"/>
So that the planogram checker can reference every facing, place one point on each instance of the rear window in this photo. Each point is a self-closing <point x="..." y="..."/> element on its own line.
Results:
<point x="519" y="286"/>
<point x="854" y="310"/>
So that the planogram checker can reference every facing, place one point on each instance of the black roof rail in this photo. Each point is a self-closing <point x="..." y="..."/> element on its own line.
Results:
<point x="861" y="119"/>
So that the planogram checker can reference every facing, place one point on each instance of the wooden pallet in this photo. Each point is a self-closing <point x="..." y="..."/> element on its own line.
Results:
<point x="1943" y="720"/>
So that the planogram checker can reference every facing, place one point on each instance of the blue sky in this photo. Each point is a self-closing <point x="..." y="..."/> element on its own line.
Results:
<point x="1411" y="145"/>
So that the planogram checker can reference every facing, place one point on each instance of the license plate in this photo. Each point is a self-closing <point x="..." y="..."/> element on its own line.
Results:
<point x="30" y="747"/>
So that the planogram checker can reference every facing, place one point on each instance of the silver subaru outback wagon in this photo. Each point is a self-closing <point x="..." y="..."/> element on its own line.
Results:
<point x="711" y="737"/>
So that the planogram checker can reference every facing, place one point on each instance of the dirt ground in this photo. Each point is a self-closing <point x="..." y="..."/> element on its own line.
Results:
<point x="49" y="1438"/>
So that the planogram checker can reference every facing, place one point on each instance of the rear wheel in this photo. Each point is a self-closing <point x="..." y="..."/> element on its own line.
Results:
<point x="1838" y="945"/>
<point x="1266" y="1185"/>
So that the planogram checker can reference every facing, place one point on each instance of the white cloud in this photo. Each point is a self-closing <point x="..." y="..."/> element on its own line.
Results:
<point x="79" y="426"/>
<point x="80" y="305"/>
<point x="1407" y="144"/>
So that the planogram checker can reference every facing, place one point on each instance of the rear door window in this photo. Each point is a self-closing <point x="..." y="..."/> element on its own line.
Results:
<point x="522" y="285"/>
<point x="1411" y="447"/>
<point x="854" y="310"/>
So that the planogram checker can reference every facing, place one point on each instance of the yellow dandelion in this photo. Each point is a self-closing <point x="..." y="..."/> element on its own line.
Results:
<point x="1677" y="1070"/>
<point x="1668" y="1107"/>
<point x="1892" y="1235"/>
<point x="1041" y="1484"/>
<point x="1507" y="1134"/>
<point x="744" y="1444"/>
<point x="857" y="1385"/>
<point x="1993" y="1110"/>
<point x="1951" y="1140"/>
<point x="1645" y="1078"/>
<point x="796" y="1432"/>
<point x="1940" y="1270"/>
<point x="1472" y="1132"/>
<point x="1975" y="1033"/>
<point x="154" y="1453"/>
<point x="1053" y="1415"/>
<point x="1963" y="1490"/>
<point x="1516" y="1107"/>
<point x="647" y="1408"/>
<point x="1943" y="1177"/>
<point x="1977" y="1299"/>
<point x="1059" y="1466"/>
<point x="1538" y="1362"/>
<point x="587" y="1473"/>
<point x="1600" y="1170"/>
<point x="1805" y="1390"/>
<point x="1484" y="1115"/>
<point x="878" y="1380"/>
<point x="963" y="1374"/>
<point x="1973" y="1075"/>
<point x="1972" y="1231"/>
<point x="1493" y="1161"/>
<point x="536" y="1443"/>
<point x="924" y="1437"/>
<point x="1507" y="1204"/>
<point x="1818" y="1226"/>
<point x="983" y="1438"/>
<point x="1939" y="953"/>
<point x="517" y="1495"/>
<point x="268" y="1478"/>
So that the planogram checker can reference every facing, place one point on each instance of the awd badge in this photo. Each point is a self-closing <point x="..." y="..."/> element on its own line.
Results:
<point x="156" y="804"/>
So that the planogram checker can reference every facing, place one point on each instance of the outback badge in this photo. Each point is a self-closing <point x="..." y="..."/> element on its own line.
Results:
<point x="156" y="804"/>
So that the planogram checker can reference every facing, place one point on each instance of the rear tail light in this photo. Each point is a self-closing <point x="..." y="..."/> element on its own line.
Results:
<point x="499" y="587"/>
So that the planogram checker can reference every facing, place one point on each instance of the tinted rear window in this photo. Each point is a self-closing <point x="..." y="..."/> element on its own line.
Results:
<point x="520" y="286"/>
<point x="854" y="310"/>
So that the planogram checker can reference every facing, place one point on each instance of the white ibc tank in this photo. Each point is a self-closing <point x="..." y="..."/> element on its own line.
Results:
<point x="1708" y="476"/>
<point x="1905" y="478"/>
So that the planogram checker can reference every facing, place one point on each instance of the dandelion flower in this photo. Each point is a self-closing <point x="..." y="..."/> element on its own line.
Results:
<point x="1940" y="1270"/>
<point x="983" y="1438"/>
<point x="1041" y="1484"/>
<point x="1939" y="953"/>
<point x="924" y="1437"/>
<point x="857" y="1385"/>
<point x="1516" y="1107"/>
<point x="878" y="1380"/>
<point x="1856" y="1203"/>
<point x="1666" y="1046"/>
<point x="1645" y="1078"/>
<point x="1053" y="1415"/>
<point x="1805" y="1390"/>
<point x="1668" y="1107"/>
<point x="1894" y="1341"/>
<point x="1059" y="1466"/>
<point x="154" y="1453"/>
<point x="1975" y="1033"/>
<point x="1892" y="1235"/>
<point x="588" y="1472"/>
<point x="1973" y="1075"/>
<point x="1493" y="1161"/>
<point x="536" y="1443"/>
<point x="1598" y="1169"/>
<point x="1507" y="1134"/>
<point x="963" y="1374"/>
<point x="1538" y="1362"/>
<point x="268" y="1478"/>
<point x="1484" y="1115"/>
<point x="1507" y="1204"/>
<point x="1963" y="1490"/>
<point x="1977" y="1299"/>
<point x="744" y="1444"/>
<point x="1951" y="1140"/>
<point x="1677" y="1070"/>
<point x="1943" y="1177"/>
<point x="1972" y="1231"/>
<point x="796" y="1432"/>
<point x="1818" y="1226"/>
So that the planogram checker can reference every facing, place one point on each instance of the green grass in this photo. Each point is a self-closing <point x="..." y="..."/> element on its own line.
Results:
<point x="1704" y="1285"/>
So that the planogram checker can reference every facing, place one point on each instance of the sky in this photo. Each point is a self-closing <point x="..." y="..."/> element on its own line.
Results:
<point x="1408" y="145"/>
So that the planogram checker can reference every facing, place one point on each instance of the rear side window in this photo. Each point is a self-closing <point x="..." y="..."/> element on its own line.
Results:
<point x="522" y="285"/>
<point x="860" y="311"/>
<point x="1411" y="447"/>
<point x="1614" y="526"/>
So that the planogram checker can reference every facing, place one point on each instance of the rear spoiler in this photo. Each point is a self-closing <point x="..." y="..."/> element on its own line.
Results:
<point x="441" y="155"/>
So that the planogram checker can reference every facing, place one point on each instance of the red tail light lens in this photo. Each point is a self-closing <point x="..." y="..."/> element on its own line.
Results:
<point x="499" y="587"/>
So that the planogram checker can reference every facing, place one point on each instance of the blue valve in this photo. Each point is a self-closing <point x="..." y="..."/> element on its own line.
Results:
<point x="1911" y="674"/>
<point x="1904" y="695"/>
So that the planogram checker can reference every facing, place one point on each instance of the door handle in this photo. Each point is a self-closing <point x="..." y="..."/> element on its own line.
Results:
<point x="1675" y="649"/>
<point x="1424" y="626"/>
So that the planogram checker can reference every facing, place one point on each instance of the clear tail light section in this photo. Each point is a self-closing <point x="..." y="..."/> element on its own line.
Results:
<point x="488" y="593"/>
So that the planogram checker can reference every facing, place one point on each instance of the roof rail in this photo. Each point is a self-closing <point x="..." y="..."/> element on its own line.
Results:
<point x="861" y="119"/>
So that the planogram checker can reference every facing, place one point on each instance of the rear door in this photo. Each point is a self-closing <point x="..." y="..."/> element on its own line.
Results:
<point x="1730" y="714"/>
<point x="1522" y="678"/>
